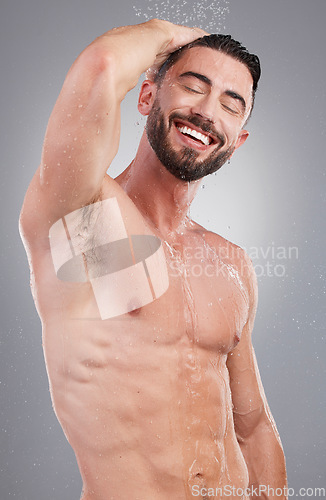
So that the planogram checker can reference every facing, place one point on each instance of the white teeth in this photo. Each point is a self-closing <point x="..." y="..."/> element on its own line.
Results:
<point x="197" y="135"/>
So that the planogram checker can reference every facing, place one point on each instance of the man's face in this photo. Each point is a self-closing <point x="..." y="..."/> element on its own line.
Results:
<point x="196" y="119"/>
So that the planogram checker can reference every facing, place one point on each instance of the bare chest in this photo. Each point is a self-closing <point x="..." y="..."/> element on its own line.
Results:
<point x="205" y="300"/>
<point x="185" y="291"/>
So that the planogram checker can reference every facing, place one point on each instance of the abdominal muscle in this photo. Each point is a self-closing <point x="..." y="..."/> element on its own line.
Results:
<point x="148" y="418"/>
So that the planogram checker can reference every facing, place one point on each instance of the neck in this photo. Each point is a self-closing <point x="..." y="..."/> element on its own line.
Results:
<point x="162" y="199"/>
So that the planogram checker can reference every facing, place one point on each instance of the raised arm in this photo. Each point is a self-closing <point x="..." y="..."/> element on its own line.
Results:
<point x="254" y="424"/>
<point x="82" y="136"/>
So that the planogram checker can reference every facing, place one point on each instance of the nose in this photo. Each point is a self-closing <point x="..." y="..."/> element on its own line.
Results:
<point x="206" y="108"/>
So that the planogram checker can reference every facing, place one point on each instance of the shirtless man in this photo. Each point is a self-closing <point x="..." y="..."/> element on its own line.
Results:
<point x="147" y="316"/>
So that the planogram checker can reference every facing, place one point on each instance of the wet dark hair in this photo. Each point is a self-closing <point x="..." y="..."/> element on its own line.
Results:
<point x="222" y="43"/>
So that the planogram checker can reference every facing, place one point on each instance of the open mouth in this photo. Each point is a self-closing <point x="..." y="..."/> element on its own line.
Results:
<point x="199" y="137"/>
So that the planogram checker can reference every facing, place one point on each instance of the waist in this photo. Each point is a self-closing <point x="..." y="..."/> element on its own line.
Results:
<point x="180" y="472"/>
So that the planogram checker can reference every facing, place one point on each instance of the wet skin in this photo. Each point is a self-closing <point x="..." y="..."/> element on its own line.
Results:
<point x="146" y="398"/>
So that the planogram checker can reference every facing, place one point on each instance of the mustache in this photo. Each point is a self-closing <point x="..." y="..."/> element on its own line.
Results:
<point x="204" y="125"/>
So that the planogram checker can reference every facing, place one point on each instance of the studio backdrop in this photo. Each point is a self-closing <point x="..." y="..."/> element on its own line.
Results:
<point x="270" y="200"/>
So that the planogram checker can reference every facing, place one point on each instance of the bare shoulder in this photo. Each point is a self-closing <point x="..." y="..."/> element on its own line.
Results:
<point x="232" y="255"/>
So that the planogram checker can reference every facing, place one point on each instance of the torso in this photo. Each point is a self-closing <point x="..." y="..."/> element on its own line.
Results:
<point x="144" y="397"/>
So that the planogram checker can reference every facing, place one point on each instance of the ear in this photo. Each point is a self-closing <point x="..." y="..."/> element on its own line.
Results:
<point x="242" y="137"/>
<point x="146" y="97"/>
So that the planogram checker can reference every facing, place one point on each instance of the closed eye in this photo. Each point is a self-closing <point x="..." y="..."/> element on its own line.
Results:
<point x="191" y="89"/>
<point x="236" y="99"/>
<point x="232" y="110"/>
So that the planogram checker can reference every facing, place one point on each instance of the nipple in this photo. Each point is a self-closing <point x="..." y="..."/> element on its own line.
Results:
<point x="236" y="339"/>
<point x="134" y="306"/>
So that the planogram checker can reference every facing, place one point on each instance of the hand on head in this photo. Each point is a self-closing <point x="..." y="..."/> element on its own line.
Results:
<point x="178" y="36"/>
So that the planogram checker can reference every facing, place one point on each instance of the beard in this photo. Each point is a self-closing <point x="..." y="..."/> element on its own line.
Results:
<point x="183" y="164"/>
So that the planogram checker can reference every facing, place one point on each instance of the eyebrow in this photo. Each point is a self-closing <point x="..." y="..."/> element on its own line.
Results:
<point x="201" y="77"/>
<point x="209" y="82"/>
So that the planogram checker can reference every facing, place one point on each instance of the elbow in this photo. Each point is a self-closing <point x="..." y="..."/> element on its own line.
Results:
<point x="246" y="424"/>
<point x="105" y="59"/>
<point x="96" y="61"/>
<point x="259" y="430"/>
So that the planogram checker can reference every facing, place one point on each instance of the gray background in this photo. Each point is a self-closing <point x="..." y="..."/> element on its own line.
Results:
<point x="272" y="195"/>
